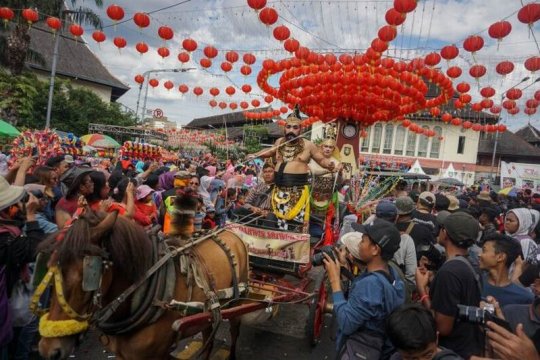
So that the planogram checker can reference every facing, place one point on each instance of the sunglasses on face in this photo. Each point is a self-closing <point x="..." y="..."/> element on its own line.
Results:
<point x="295" y="127"/>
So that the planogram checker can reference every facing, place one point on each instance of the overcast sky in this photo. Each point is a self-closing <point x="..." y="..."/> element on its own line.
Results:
<point x="327" y="26"/>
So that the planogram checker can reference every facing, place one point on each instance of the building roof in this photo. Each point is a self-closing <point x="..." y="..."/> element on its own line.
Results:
<point x="232" y="119"/>
<point x="509" y="144"/>
<point x="274" y="131"/>
<point x="529" y="133"/>
<point x="75" y="60"/>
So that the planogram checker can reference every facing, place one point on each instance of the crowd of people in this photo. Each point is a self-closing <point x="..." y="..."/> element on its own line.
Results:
<point x="432" y="275"/>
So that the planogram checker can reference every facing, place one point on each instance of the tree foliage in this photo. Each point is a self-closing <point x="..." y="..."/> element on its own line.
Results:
<point x="23" y="103"/>
<point x="253" y="134"/>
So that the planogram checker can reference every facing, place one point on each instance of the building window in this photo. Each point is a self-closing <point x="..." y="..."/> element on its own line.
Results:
<point x="377" y="134"/>
<point x="388" y="136"/>
<point x="461" y="145"/>
<point x="365" y="140"/>
<point x="436" y="143"/>
<point x="400" y="140"/>
<point x="423" y="143"/>
<point x="411" y="144"/>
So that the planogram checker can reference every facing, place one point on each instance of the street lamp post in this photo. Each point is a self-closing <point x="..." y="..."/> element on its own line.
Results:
<point x="493" y="175"/>
<point x="146" y="76"/>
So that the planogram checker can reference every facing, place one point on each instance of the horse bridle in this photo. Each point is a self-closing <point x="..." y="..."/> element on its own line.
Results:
<point x="92" y="277"/>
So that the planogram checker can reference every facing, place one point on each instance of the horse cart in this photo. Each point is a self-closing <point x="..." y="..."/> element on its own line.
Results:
<point x="281" y="272"/>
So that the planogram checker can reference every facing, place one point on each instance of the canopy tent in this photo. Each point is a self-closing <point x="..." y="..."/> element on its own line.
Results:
<point x="8" y="130"/>
<point x="450" y="172"/>
<point x="416" y="168"/>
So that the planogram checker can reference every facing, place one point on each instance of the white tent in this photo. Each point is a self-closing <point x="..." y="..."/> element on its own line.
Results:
<point x="416" y="168"/>
<point x="450" y="172"/>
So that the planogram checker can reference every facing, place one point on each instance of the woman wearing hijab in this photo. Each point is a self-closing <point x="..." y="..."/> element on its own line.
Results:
<point x="518" y="224"/>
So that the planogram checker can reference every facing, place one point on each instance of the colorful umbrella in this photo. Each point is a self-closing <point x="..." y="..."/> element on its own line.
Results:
<point x="100" y="141"/>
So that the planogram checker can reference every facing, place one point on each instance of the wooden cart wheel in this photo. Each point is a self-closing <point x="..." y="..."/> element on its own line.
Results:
<point x="317" y="304"/>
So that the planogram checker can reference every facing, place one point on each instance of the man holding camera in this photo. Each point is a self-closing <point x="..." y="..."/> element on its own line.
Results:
<point x="373" y="295"/>
<point x="455" y="283"/>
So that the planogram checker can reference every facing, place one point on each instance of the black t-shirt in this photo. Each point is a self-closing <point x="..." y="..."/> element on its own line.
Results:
<point x="426" y="219"/>
<point x="455" y="284"/>
<point x="420" y="233"/>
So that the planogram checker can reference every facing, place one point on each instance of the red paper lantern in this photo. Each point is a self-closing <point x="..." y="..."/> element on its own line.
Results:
<point x="281" y="33"/>
<point x="76" y="30"/>
<point x="487" y="92"/>
<point x="501" y="128"/>
<point x="513" y="111"/>
<point x="255" y="103"/>
<point x="378" y="45"/>
<point x="212" y="103"/>
<point x="291" y="45"/>
<point x="406" y="123"/>
<point x="530" y="111"/>
<point x="467" y="124"/>
<point x="231" y="56"/>
<point x="387" y="33"/>
<point x="477" y="127"/>
<point x="532" y="64"/>
<point x="6" y="14"/>
<point x="283" y="109"/>
<point x="477" y="107"/>
<point x="139" y="79"/>
<point x="205" y="63"/>
<point x="405" y="6"/>
<point x="504" y="67"/>
<point x="165" y="32"/>
<point x="226" y="66"/>
<point x="183" y="88"/>
<point x="153" y="83"/>
<point x="30" y="15"/>
<point x="532" y="103"/>
<point x="463" y="87"/>
<point x="432" y="59"/>
<point x="514" y="94"/>
<point x="500" y="29"/>
<point x="119" y="42"/>
<point x="268" y="16"/>
<point x="537" y="95"/>
<point x="456" y="121"/>
<point x="230" y="90"/>
<point x="268" y="99"/>
<point x="446" y="117"/>
<point x="115" y="12"/>
<point x="486" y="103"/>
<point x="164" y="52"/>
<point x="244" y="105"/>
<point x="245" y="70"/>
<point x="496" y="109"/>
<point x="246" y="88"/>
<point x="222" y="105"/>
<point x="54" y="23"/>
<point x="168" y="85"/>
<point x="454" y="72"/>
<point x="142" y="20"/>
<point x="98" y="36"/>
<point x="465" y="98"/>
<point x="435" y="111"/>
<point x="529" y="13"/>
<point x="256" y="4"/>
<point x="198" y="91"/>
<point x="141" y="47"/>
<point x="477" y="71"/>
<point x="509" y="104"/>
<point x="183" y="57"/>
<point x="189" y="45"/>
<point x="249" y="59"/>
<point x="449" y="52"/>
<point x="210" y="52"/>
<point x="214" y="91"/>
<point x="394" y="17"/>
<point x="473" y="43"/>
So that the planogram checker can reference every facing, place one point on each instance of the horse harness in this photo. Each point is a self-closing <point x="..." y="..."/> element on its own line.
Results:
<point x="151" y="295"/>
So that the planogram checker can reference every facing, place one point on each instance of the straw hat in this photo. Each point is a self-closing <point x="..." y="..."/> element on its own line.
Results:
<point x="9" y="194"/>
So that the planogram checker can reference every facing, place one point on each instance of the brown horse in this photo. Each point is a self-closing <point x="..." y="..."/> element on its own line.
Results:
<point x="127" y="247"/>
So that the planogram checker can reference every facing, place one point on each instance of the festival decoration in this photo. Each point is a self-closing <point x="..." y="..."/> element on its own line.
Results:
<point x="76" y="30"/>
<point x="6" y="14"/>
<point x="189" y="45"/>
<point x="141" y="47"/>
<point x="210" y="52"/>
<point x="115" y="12"/>
<point x="165" y="32"/>
<point x="46" y="142"/>
<point x="139" y="79"/>
<point x="140" y="151"/>
<point x="99" y="36"/>
<point x="54" y="23"/>
<point x="30" y="15"/>
<point x="504" y="67"/>
<point x="257" y="4"/>
<point x="142" y="20"/>
<point x="529" y="14"/>
<point x="163" y="52"/>
<point x="120" y="42"/>
<point x="268" y="16"/>
<point x="499" y="30"/>
<point x="205" y="63"/>
<point x="532" y="64"/>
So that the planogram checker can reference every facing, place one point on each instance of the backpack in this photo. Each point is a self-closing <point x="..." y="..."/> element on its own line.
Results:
<point x="409" y="287"/>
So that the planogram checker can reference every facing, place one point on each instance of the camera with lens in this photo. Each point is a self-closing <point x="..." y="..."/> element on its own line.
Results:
<point x="318" y="258"/>
<point x="480" y="316"/>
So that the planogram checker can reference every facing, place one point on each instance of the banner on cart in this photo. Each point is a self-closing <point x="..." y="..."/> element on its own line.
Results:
<point x="276" y="245"/>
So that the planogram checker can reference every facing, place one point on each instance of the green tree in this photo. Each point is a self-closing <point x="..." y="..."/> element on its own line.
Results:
<point x="23" y="103"/>
<point x="253" y="134"/>
<point x="15" y="38"/>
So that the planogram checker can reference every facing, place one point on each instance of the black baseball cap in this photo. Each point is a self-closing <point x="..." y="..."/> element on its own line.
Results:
<point x="381" y="232"/>
<point x="462" y="228"/>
